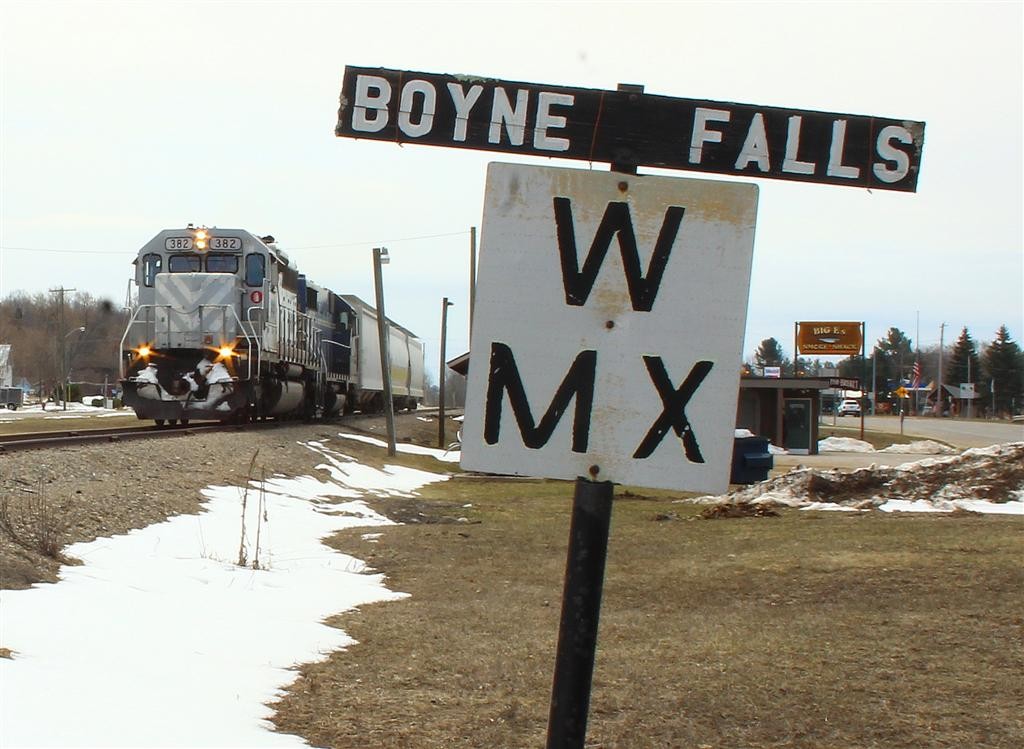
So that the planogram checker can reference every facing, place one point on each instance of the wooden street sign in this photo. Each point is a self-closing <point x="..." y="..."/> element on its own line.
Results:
<point x="628" y="127"/>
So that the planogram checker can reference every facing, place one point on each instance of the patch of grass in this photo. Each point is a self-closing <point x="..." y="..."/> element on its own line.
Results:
<point x="811" y="630"/>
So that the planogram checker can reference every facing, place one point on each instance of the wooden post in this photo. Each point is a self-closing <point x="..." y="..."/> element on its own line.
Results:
<point x="445" y="304"/>
<point x="380" y="255"/>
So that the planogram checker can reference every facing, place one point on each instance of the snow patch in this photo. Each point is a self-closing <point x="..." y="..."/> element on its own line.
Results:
<point x="164" y="619"/>
<point x="445" y="456"/>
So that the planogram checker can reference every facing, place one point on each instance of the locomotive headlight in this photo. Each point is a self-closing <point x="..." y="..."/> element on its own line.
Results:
<point x="225" y="352"/>
<point x="144" y="351"/>
<point x="201" y="237"/>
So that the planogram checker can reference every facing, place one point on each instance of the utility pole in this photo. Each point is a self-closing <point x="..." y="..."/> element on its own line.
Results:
<point x="380" y="257"/>
<point x="62" y="342"/>
<point x="969" y="381"/>
<point x="917" y="360"/>
<point x="942" y="334"/>
<point x="445" y="304"/>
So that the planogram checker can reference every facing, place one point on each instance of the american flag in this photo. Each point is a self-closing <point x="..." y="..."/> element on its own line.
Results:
<point x="917" y="374"/>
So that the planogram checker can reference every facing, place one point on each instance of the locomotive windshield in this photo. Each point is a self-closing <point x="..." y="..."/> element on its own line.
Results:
<point x="183" y="263"/>
<point x="216" y="263"/>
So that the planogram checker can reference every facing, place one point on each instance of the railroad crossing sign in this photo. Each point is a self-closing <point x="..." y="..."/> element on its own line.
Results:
<point x="610" y="317"/>
<point x="630" y="127"/>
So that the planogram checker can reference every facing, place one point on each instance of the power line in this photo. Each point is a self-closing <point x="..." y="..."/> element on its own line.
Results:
<point x="382" y="241"/>
<point x="69" y="251"/>
<point x="79" y="251"/>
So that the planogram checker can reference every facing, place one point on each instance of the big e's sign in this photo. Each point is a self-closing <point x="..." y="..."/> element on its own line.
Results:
<point x="630" y="128"/>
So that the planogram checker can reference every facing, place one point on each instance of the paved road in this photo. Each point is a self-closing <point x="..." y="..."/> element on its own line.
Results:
<point x="960" y="433"/>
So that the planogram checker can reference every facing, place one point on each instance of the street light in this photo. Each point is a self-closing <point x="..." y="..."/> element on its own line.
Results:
<point x="66" y="363"/>
<point x="445" y="304"/>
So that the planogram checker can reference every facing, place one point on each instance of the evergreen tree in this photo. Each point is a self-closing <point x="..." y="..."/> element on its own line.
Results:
<point x="769" y="354"/>
<point x="854" y="366"/>
<point x="964" y="364"/>
<point x="893" y="356"/>
<point x="1003" y="364"/>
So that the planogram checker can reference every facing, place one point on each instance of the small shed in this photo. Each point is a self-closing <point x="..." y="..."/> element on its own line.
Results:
<point x="785" y="410"/>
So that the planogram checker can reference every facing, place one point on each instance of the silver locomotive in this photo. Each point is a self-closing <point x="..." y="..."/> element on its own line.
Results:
<point x="226" y="328"/>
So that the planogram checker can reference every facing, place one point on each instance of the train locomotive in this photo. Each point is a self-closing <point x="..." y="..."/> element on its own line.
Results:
<point x="225" y="328"/>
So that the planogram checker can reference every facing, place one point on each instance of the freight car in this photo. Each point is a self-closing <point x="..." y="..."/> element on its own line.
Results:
<point x="226" y="328"/>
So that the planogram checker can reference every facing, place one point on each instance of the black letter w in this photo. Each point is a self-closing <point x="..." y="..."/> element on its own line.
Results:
<point x="578" y="382"/>
<point x="616" y="221"/>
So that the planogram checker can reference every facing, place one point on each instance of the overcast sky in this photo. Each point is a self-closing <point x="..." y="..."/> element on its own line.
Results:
<point x="122" y="119"/>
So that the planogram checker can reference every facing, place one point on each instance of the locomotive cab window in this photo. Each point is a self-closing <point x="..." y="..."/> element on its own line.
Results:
<point x="216" y="263"/>
<point x="255" y="269"/>
<point x="183" y="264"/>
<point x="150" y="267"/>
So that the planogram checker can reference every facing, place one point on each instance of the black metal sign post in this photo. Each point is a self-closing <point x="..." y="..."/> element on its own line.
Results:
<point x="581" y="595"/>
<point x="581" y="608"/>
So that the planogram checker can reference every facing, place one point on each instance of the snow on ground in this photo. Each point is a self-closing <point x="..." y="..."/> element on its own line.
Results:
<point x="844" y="445"/>
<point x="850" y="445"/>
<point x="921" y="447"/>
<point x="57" y="411"/>
<point x="987" y="480"/>
<point x="161" y="639"/>
<point x="447" y="456"/>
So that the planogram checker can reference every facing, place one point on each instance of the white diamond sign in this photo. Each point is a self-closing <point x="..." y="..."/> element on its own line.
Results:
<point x="608" y="329"/>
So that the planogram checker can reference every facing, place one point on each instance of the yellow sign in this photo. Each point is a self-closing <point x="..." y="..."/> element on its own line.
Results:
<point x="902" y="393"/>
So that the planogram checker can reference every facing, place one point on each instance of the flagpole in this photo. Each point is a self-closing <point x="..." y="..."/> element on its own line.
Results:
<point x="917" y="362"/>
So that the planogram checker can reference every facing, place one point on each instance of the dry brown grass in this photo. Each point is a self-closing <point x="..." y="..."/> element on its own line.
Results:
<point x="34" y="522"/>
<point x="811" y="630"/>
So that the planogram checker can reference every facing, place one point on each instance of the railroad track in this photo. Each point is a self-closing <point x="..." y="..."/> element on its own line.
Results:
<point x="66" y="438"/>
<point x="70" y="437"/>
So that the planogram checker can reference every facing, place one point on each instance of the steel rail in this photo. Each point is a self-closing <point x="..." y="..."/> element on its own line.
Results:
<point x="71" y="437"/>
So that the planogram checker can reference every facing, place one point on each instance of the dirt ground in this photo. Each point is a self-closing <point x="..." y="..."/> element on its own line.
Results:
<point x="799" y="629"/>
<point x="81" y="493"/>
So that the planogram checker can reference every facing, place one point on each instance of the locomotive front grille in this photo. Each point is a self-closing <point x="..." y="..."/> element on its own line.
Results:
<point x="194" y="310"/>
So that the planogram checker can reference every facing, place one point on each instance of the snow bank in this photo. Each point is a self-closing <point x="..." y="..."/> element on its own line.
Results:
<point x="922" y="447"/>
<point x="850" y="445"/>
<point x="844" y="445"/>
<point x="161" y="639"/>
<point x="989" y="480"/>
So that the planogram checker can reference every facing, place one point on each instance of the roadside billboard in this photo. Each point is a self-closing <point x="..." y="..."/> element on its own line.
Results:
<point x="829" y="338"/>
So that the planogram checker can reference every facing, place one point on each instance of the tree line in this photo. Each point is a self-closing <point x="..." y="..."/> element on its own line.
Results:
<point x="59" y="337"/>
<point x="996" y="369"/>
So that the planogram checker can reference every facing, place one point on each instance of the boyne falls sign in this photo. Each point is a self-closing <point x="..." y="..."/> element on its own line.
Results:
<point x="630" y="128"/>
<point x="609" y="326"/>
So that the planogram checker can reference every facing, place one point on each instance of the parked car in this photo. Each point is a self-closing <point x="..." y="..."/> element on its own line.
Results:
<point x="849" y="407"/>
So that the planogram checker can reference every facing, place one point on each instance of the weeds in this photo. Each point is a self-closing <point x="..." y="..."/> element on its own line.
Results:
<point x="261" y="516"/>
<point x="35" y="524"/>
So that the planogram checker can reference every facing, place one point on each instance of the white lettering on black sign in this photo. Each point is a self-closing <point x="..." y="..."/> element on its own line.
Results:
<point x="630" y="128"/>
